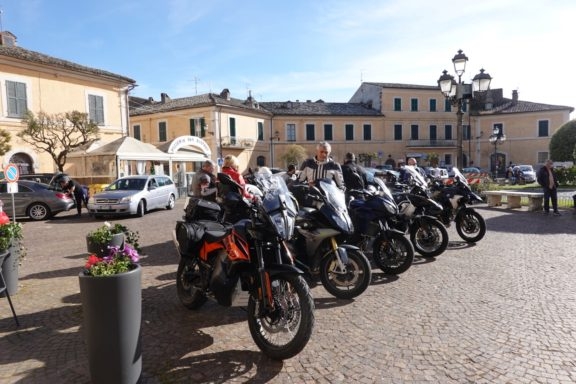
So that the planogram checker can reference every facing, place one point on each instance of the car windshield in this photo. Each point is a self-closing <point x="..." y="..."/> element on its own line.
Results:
<point x="127" y="185"/>
<point x="526" y="168"/>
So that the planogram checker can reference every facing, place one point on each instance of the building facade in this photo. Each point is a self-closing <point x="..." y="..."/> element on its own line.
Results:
<point x="31" y="81"/>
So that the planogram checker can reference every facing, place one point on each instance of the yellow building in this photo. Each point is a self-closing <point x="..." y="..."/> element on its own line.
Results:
<point x="31" y="81"/>
<point x="420" y="121"/>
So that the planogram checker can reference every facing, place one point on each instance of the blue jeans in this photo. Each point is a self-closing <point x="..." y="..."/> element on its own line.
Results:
<point x="550" y="194"/>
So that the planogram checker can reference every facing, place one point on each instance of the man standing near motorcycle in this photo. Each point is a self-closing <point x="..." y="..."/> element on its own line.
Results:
<point x="354" y="175"/>
<point x="321" y="166"/>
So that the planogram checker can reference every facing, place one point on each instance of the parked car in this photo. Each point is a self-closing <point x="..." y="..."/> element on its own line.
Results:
<point x="524" y="173"/>
<point x="436" y="173"/>
<point x="134" y="195"/>
<point x="44" y="178"/>
<point x="34" y="200"/>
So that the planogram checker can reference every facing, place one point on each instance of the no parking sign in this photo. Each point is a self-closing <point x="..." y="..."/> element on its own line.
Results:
<point x="11" y="173"/>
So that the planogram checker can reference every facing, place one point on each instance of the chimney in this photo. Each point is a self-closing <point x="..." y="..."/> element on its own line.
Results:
<point x="7" y="39"/>
<point x="165" y="98"/>
<point x="514" y="97"/>
<point x="225" y="94"/>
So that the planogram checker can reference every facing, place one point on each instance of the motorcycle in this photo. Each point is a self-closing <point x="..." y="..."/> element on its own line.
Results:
<point x="470" y="225"/>
<point x="374" y="212"/>
<point x="322" y="225"/>
<point x="219" y="259"/>
<point x="418" y="215"/>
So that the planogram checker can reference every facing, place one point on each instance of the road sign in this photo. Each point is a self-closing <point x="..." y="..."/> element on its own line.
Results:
<point x="12" y="187"/>
<point x="11" y="173"/>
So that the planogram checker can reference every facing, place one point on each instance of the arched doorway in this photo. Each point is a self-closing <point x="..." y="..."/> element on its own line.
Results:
<point x="23" y="162"/>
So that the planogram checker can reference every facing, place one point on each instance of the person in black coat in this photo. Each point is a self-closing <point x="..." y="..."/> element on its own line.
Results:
<point x="549" y="182"/>
<point x="354" y="175"/>
<point x="76" y="190"/>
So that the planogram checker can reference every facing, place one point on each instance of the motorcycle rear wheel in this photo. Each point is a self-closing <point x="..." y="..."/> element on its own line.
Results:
<point x="393" y="253"/>
<point x="283" y="332"/>
<point x="349" y="283"/>
<point x="470" y="225"/>
<point x="430" y="238"/>
<point x="187" y="284"/>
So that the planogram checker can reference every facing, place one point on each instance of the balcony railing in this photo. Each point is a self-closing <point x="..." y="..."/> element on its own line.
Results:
<point x="238" y="142"/>
<point x="431" y="143"/>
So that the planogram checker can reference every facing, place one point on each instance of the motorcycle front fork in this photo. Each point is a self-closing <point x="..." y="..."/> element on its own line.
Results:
<point x="341" y="254"/>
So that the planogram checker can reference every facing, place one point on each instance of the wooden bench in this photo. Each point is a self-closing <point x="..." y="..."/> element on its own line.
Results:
<point x="535" y="199"/>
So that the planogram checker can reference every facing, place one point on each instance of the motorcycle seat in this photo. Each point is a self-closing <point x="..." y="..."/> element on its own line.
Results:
<point x="214" y="231"/>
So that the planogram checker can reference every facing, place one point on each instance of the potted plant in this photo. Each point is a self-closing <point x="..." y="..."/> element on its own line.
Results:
<point x="108" y="235"/>
<point x="111" y="293"/>
<point x="11" y="242"/>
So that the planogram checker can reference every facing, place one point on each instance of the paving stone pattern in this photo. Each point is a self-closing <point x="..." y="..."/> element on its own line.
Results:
<point x="500" y="311"/>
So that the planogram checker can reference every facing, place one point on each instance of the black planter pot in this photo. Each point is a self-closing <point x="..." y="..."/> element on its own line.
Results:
<point x="112" y="309"/>
<point x="10" y="268"/>
<point x="101" y="249"/>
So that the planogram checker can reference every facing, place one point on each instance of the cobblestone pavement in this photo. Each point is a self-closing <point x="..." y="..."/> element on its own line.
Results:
<point x="500" y="311"/>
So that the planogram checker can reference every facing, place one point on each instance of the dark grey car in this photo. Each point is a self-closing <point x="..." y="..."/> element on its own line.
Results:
<point x="34" y="200"/>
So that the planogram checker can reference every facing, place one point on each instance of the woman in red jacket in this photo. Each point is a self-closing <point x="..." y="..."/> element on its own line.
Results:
<point x="230" y="167"/>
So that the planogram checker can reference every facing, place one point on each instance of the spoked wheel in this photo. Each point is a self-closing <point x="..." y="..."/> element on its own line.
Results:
<point x="347" y="282"/>
<point x="188" y="282"/>
<point x="430" y="238"/>
<point x="470" y="225"/>
<point x="393" y="253"/>
<point x="284" y="331"/>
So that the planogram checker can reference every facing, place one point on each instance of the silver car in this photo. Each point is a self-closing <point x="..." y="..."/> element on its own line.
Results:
<point x="34" y="200"/>
<point x="134" y="195"/>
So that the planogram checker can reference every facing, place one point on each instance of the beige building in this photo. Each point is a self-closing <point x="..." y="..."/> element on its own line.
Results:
<point x="381" y="119"/>
<point x="36" y="82"/>
<point x="419" y="121"/>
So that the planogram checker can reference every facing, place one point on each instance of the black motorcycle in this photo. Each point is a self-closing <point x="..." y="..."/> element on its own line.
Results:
<point x="322" y="226"/>
<point x="219" y="259"/>
<point x="374" y="214"/>
<point x="418" y="215"/>
<point x="455" y="198"/>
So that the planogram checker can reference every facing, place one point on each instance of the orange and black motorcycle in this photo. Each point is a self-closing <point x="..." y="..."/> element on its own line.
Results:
<point x="218" y="259"/>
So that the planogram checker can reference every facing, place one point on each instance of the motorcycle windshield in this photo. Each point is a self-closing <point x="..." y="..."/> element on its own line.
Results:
<point x="415" y="176"/>
<point x="460" y="177"/>
<point x="336" y="201"/>
<point x="278" y="204"/>
<point x="386" y="196"/>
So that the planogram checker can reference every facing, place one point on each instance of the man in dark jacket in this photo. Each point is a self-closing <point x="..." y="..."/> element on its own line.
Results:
<point x="549" y="182"/>
<point x="76" y="190"/>
<point x="354" y="175"/>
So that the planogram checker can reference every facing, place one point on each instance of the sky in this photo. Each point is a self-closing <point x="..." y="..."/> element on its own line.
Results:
<point x="306" y="50"/>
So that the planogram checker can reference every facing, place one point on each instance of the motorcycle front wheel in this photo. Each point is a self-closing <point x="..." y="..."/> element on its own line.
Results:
<point x="429" y="238"/>
<point x="393" y="253"/>
<point x="283" y="331"/>
<point x="470" y="225"/>
<point x="188" y="282"/>
<point x="349" y="282"/>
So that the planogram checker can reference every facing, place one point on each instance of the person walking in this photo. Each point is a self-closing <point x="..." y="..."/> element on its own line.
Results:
<point x="321" y="166"/>
<point x="548" y="180"/>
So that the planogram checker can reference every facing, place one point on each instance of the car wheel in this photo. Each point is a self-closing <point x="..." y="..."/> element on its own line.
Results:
<point x="141" y="211"/>
<point x="171" y="202"/>
<point x="38" y="211"/>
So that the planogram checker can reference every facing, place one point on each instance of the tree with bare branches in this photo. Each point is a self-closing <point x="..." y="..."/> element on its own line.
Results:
<point x="58" y="134"/>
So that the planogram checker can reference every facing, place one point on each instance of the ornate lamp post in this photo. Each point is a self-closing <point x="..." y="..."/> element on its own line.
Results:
<point x="459" y="92"/>
<point x="497" y="137"/>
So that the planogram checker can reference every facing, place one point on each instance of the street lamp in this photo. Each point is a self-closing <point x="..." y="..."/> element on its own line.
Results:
<point x="459" y="92"/>
<point x="497" y="137"/>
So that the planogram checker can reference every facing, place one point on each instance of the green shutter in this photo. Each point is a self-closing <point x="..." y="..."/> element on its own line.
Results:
<point x="202" y="127"/>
